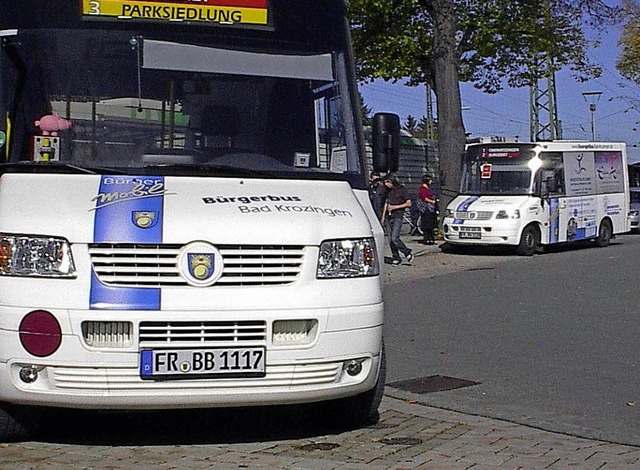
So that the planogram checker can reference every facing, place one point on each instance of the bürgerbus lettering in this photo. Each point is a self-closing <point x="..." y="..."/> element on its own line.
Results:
<point x="165" y="12"/>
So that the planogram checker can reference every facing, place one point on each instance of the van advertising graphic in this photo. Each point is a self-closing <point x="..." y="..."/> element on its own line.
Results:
<point x="127" y="210"/>
<point x="609" y="172"/>
<point x="593" y="172"/>
<point x="579" y="173"/>
<point x="275" y="204"/>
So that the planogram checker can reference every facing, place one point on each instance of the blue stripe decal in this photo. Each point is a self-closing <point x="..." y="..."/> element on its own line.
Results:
<point x="129" y="209"/>
<point x="464" y="207"/>
<point x="554" y="220"/>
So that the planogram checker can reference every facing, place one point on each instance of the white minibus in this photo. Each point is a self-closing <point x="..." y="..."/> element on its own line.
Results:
<point x="184" y="211"/>
<point x="529" y="195"/>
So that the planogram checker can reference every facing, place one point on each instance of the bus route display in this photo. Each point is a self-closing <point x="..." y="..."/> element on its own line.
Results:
<point x="215" y="12"/>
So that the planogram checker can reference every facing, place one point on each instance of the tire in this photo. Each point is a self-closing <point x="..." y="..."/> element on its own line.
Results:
<point x="362" y="409"/>
<point x="605" y="233"/>
<point x="16" y="423"/>
<point x="529" y="241"/>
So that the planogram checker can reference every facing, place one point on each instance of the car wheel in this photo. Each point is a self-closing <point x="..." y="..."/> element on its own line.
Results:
<point x="529" y="241"/>
<point x="604" y="233"/>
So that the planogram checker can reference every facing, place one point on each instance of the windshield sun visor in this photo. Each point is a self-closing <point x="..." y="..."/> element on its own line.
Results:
<point x="164" y="55"/>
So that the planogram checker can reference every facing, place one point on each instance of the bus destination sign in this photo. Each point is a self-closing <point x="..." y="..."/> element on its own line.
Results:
<point x="215" y="12"/>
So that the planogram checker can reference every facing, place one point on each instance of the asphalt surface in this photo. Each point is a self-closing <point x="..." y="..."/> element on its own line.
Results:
<point x="410" y="434"/>
<point x="548" y="341"/>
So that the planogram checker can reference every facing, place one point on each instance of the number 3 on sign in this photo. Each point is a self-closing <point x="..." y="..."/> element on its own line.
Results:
<point x="94" y="7"/>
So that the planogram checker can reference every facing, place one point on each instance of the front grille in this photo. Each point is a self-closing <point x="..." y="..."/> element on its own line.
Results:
<point x="198" y="333"/>
<point x="142" y="265"/>
<point x="113" y="380"/>
<point x="479" y="215"/>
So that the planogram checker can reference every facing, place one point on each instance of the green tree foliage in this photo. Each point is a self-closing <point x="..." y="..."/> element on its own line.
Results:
<point x="365" y="112"/>
<point x="497" y="41"/>
<point x="629" y="62"/>
<point x="489" y="43"/>
<point x="410" y="125"/>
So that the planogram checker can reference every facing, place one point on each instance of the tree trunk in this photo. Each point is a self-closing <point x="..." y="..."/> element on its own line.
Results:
<point x="447" y="90"/>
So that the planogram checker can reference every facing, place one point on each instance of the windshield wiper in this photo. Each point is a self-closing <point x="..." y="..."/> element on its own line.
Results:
<point x="59" y="167"/>
<point x="207" y="169"/>
<point x="44" y="167"/>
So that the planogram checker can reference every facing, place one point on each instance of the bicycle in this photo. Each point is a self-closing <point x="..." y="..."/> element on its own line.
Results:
<point x="411" y="218"/>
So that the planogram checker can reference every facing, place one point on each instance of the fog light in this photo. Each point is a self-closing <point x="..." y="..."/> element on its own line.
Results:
<point x="29" y="374"/>
<point x="353" y="368"/>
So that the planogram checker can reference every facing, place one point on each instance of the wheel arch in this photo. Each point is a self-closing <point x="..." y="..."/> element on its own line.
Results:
<point x="543" y="234"/>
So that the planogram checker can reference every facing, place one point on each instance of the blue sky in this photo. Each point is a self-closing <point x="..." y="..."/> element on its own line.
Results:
<point x="506" y="114"/>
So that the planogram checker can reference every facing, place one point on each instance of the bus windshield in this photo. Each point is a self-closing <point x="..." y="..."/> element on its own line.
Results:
<point x="163" y="102"/>
<point x="492" y="170"/>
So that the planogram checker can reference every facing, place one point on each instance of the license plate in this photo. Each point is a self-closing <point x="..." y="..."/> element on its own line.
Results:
<point x="193" y="363"/>
<point x="472" y="235"/>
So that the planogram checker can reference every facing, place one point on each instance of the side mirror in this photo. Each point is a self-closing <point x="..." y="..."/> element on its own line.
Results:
<point x="386" y="142"/>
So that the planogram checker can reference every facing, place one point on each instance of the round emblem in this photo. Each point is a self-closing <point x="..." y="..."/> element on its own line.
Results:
<point x="145" y="219"/>
<point x="200" y="264"/>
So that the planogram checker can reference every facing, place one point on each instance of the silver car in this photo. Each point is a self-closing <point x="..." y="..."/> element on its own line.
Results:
<point x="634" y="210"/>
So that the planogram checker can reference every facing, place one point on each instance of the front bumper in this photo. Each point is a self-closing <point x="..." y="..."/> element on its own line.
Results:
<point x="480" y="233"/>
<point x="79" y="376"/>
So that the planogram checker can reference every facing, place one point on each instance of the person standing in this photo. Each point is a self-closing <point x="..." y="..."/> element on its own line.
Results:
<point x="427" y="206"/>
<point x="377" y="193"/>
<point x="397" y="201"/>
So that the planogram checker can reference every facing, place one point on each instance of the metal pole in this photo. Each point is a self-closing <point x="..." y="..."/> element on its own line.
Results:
<point x="592" y="98"/>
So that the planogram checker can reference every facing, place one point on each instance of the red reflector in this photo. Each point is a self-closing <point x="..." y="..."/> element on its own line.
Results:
<point x="40" y="333"/>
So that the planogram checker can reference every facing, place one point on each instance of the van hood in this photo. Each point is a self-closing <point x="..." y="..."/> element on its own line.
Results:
<point x="149" y="209"/>
<point x="487" y="203"/>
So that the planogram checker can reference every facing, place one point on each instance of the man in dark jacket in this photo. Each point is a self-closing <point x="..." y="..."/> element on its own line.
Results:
<point x="397" y="201"/>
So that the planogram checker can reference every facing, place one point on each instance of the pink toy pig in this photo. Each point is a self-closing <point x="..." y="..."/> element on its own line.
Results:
<point x="52" y="123"/>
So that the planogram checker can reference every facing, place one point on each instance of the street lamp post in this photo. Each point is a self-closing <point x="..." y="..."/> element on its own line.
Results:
<point x="592" y="97"/>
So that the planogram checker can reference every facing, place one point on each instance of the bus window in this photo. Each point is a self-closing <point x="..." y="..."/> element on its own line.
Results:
<point x="550" y="179"/>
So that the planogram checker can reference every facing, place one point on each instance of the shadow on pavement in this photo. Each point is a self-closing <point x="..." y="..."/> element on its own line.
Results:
<point x="511" y="251"/>
<point x="204" y="426"/>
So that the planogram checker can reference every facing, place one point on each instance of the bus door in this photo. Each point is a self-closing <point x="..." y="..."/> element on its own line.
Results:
<point x="566" y="184"/>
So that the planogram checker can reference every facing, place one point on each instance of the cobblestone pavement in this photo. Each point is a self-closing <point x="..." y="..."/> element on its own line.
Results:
<point x="410" y="435"/>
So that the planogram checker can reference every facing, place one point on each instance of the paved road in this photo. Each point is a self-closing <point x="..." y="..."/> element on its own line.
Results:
<point x="410" y="435"/>
<point x="550" y="340"/>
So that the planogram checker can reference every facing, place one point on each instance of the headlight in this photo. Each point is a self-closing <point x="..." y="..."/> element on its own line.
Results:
<point x="347" y="258"/>
<point x="450" y="213"/>
<point x="505" y="214"/>
<point x="22" y="255"/>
